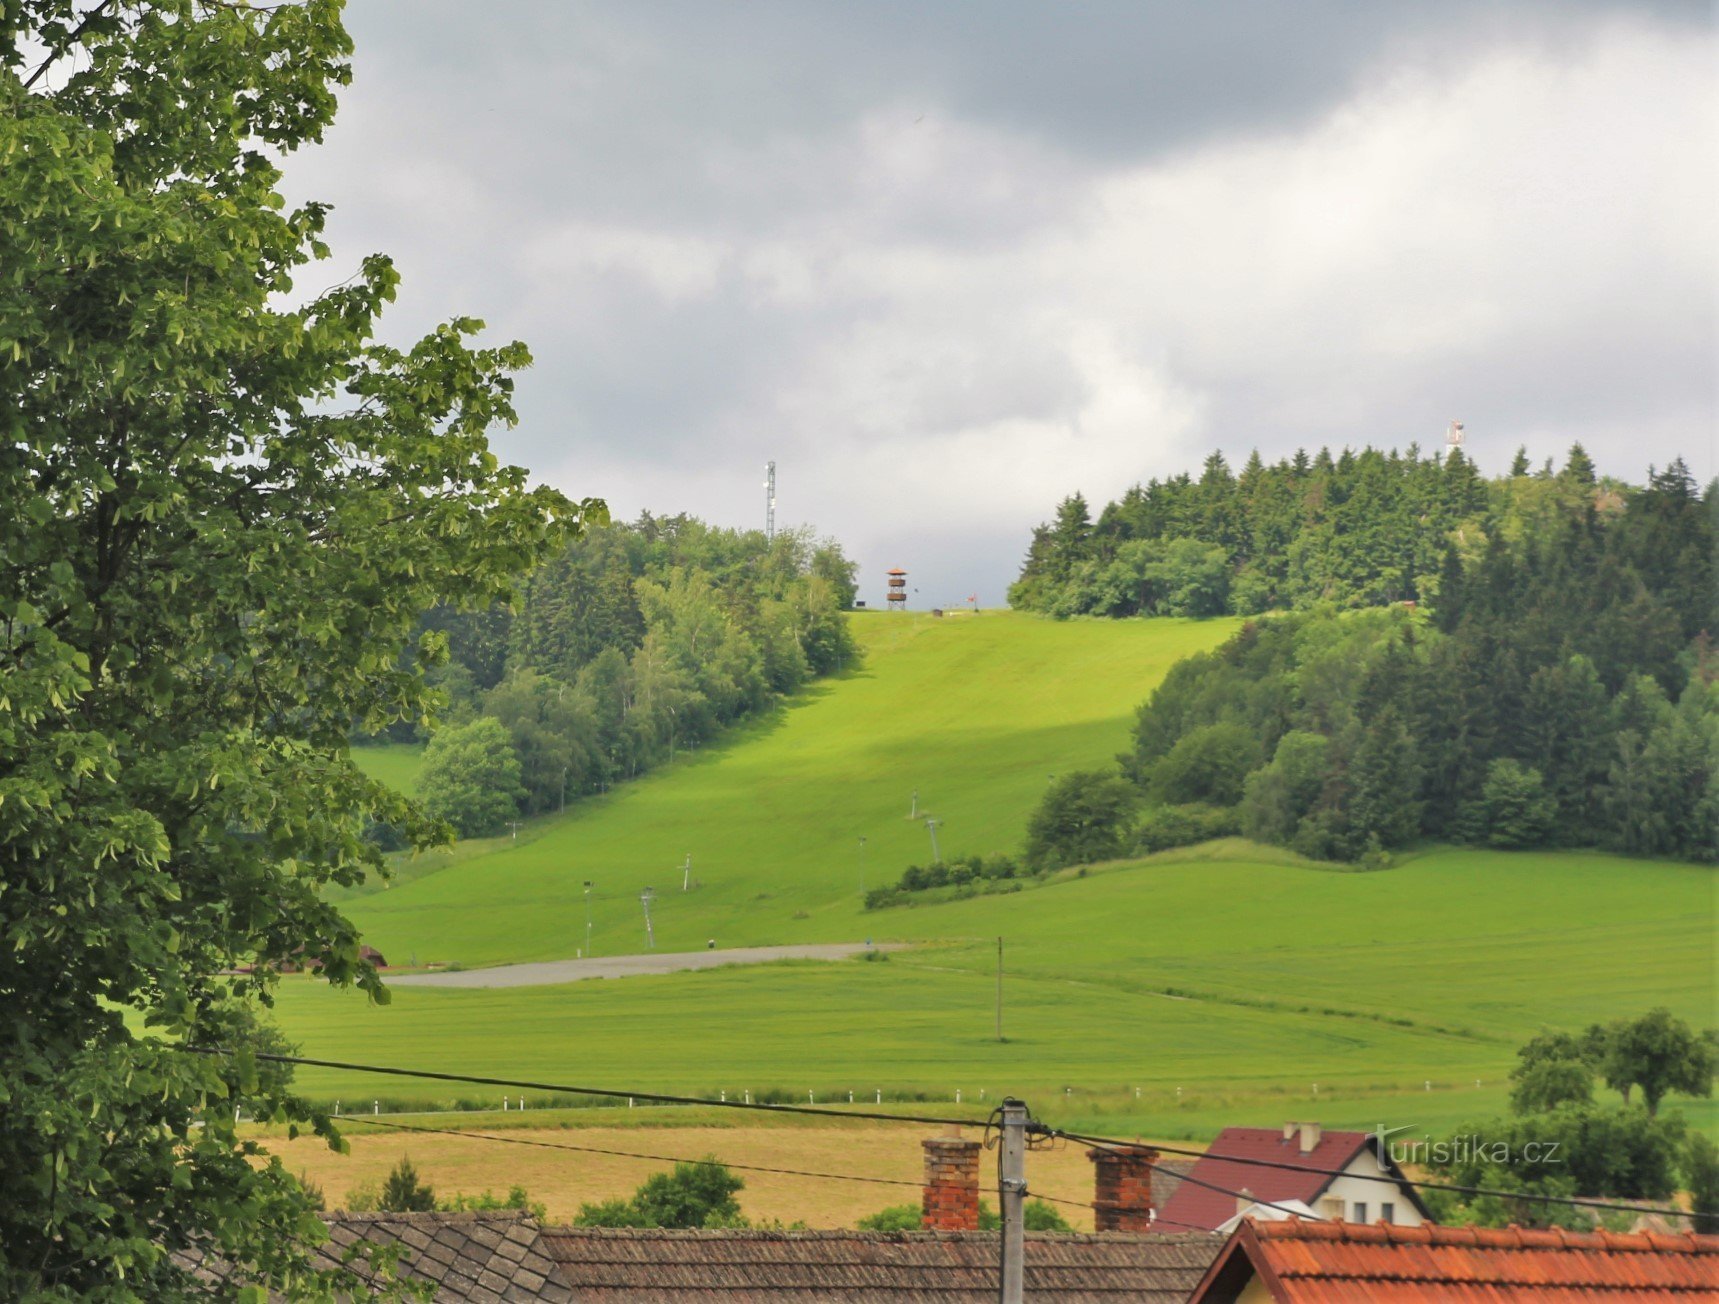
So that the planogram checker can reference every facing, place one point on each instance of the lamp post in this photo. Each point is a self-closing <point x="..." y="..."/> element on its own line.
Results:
<point x="645" y="898"/>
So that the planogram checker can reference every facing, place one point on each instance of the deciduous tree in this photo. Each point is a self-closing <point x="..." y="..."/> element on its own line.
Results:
<point x="223" y="508"/>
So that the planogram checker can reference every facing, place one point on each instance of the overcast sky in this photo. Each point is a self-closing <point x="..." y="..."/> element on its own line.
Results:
<point x="948" y="262"/>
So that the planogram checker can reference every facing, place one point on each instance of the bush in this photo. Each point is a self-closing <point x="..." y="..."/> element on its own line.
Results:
<point x="896" y="1218"/>
<point x="1164" y="827"/>
<point x="516" y="1199"/>
<point x="693" y="1195"/>
<point x="404" y="1193"/>
<point x="1085" y="816"/>
<point x="1042" y="1216"/>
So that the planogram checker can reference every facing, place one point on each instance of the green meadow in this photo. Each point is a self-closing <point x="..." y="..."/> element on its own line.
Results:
<point x="1170" y="995"/>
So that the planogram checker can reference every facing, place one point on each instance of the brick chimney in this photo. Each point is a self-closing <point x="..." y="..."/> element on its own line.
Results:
<point x="1310" y="1134"/>
<point x="951" y="1200"/>
<point x="1122" y="1188"/>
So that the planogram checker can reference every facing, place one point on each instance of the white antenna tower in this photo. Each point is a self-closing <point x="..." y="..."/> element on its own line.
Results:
<point x="769" y="501"/>
<point x="1453" y="434"/>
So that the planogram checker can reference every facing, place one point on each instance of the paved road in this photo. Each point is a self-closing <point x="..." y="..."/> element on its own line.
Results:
<point x="621" y="966"/>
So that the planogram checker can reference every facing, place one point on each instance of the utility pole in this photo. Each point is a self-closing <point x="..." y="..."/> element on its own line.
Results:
<point x="862" y="867"/>
<point x="514" y="825"/>
<point x="1011" y="1196"/>
<point x="999" y="989"/>
<point x="931" y="823"/>
<point x="686" y="873"/>
<point x="587" y="919"/>
<point x="646" y="897"/>
<point x="913" y="812"/>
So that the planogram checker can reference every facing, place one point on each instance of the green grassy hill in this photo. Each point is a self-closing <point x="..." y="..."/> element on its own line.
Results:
<point x="973" y="712"/>
<point x="1221" y="983"/>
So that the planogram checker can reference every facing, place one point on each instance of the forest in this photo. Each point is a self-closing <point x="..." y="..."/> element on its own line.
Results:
<point x="638" y="641"/>
<point x="1549" y="682"/>
<point x="1358" y="529"/>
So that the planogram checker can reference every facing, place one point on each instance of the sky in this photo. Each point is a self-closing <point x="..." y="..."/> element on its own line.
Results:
<point x="946" y="263"/>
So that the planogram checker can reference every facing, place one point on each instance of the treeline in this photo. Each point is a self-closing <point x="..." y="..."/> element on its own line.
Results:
<point x="1360" y="529"/>
<point x="639" y="641"/>
<point x="1559" y="692"/>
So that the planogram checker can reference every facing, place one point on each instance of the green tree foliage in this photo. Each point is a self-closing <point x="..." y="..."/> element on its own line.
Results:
<point x="1553" y="1069"/>
<point x="1036" y="1216"/>
<point x="1280" y="794"/>
<point x="1657" y="1053"/>
<point x="1517" y="810"/>
<point x="1208" y="764"/>
<point x="1701" y="1180"/>
<point x="223" y="507"/>
<point x="1549" y="700"/>
<point x="471" y="778"/>
<point x="693" y="1195"/>
<point x="1585" y="1150"/>
<point x="643" y="640"/>
<point x="402" y="1192"/>
<point x="555" y="735"/>
<point x="1558" y="1142"/>
<point x="895" y="1218"/>
<point x="1085" y="816"/>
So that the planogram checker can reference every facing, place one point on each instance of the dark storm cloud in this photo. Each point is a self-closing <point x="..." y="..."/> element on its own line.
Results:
<point x="946" y="262"/>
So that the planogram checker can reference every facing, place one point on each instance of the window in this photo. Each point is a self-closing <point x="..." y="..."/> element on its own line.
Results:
<point x="1388" y="1212"/>
<point x="1359" y="1211"/>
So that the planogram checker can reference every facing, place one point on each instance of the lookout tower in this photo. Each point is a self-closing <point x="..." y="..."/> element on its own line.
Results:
<point x="1453" y="435"/>
<point x="897" y="589"/>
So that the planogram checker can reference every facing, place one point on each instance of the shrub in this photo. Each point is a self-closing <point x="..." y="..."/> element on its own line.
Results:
<point x="404" y="1193"/>
<point x="1164" y="827"/>
<point x="1085" y="816"/>
<point x="693" y="1195"/>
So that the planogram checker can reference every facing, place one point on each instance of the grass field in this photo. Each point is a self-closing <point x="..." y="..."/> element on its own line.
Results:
<point x="396" y="764"/>
<point x="972" y="712"/>
<point x="1169" y="996"/>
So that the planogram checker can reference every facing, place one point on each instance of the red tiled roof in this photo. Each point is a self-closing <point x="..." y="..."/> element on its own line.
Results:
<point x="1331" y="1262"/>
<point x="1197" y="1206"/>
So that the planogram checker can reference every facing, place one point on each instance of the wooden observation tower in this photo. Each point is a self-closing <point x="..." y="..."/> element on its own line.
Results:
<point x="897" y="589"/>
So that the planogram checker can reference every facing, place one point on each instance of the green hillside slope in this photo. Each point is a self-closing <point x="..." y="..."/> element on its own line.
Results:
<point x="1222" y="983"/>
<point x="973" y="712"/>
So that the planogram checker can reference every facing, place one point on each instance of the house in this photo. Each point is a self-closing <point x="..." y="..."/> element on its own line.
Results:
<point x="1296" y="1262"/>
<point x="1265" y="1165"/>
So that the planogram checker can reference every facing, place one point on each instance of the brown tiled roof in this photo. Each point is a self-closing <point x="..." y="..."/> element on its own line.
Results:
<point x="608" y="1265"/>
<point x="488" y="1256"/>
<point x="1327" y="1261"/>
<point x="484" y="1255"/>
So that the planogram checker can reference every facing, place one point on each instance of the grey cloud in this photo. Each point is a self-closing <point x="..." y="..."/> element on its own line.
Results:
<point x="948" y="262"/>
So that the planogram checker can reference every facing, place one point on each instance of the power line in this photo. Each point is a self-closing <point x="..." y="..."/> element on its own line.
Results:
<point x="612" y="1094"/>
<point x="623" y="1154"/>
<point x="1039" y="1129"/>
